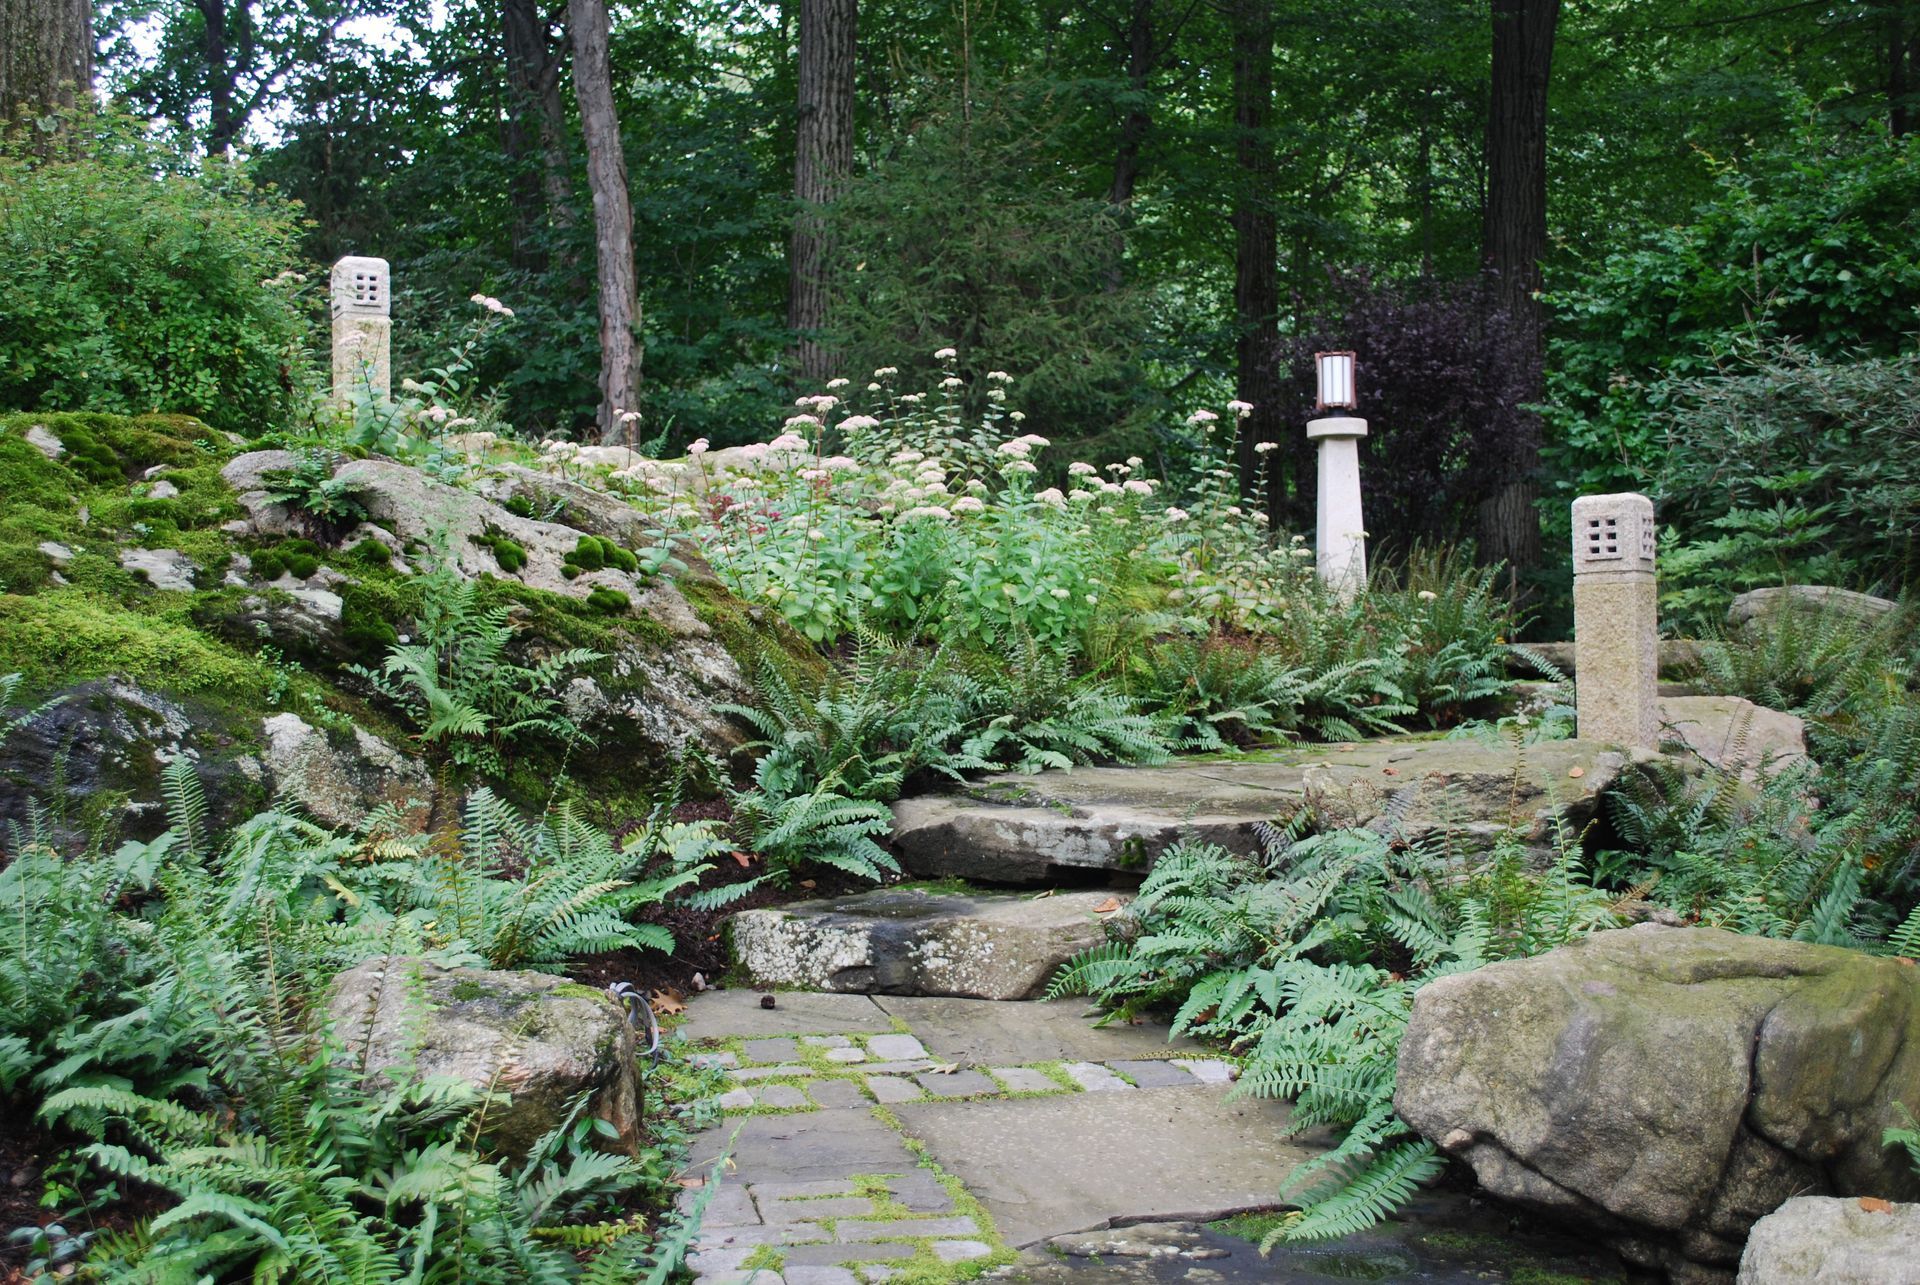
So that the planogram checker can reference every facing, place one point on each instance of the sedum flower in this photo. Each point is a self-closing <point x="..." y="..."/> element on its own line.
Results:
<point x="1261" y="448"/>
<point x="788" y="442"/>
<point x="969" y="504"/>
<point x="1000" y="377"/>
<point x="1139" y="486"/>
<point x="1052" y="495"/>
<point x="1019" y="466"/>
<point x="1240" y="409"/>
<point x="1080" y="468"/>
<point x="698" y="446"/>
<point x="1202" y="417"/>
<point x="945" y="354"/>
<point x="952" y="381"/>
<point x="1176" y="515"/>
<point x="837" y="383"/>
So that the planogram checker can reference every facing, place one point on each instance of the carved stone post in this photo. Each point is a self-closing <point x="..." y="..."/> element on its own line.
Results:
<point x="362" y="330"/>
<point x="1616" y="620"/>
<point x="1340" y="534"/>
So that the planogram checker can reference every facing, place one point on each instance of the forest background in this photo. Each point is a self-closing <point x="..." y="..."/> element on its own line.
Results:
<point x="1666" y="245"/>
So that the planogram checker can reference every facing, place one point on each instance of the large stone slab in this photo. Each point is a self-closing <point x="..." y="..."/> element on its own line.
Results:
<point x="1036" y="829"/>
<point x="1667" y="1087"/>
<point x="1048" y="1166"/>
<point x="813" y="1147"/>
<point x="1762" y="606"/>
<point x="975" y="1032"/>
<point x="911" y="941"/>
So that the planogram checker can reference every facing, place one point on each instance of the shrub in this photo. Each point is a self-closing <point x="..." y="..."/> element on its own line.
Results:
<point x="136" y="278"/>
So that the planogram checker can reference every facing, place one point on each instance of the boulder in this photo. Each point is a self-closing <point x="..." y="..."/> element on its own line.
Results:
<point x="1734" y="734"/>
<point x="540" y="1040"/>
<point x="1036" y="829"/>
<point x="1758" y="606"/>
<point x="1667" y="1087"/>
<point x="1677" y="656"/>
<point x="93" y="754"/>
<point x="1824" y="1240"/>
<point x="911" y="941"/>
<point x="340" y="778"/>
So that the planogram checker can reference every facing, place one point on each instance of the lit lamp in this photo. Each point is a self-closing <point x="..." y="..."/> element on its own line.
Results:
<point x="1340" y="536"/>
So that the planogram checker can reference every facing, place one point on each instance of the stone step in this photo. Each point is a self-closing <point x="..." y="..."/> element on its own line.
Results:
<point x="1044" y="828"/>
<point x="918" y="941"/>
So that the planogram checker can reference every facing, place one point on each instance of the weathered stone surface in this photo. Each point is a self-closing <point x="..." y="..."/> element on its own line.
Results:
<point x="1678" y="656"/>
<point x="1734" y="734"/>
<point x="540" y="1039"/>
<point x="979" y="1032"/>
<point x="908" y="941"/>
<point x="1035" y="829"/>
<point x="1825" y="1240"/>
<point x="340" y="778"/>
<point x="94" y="754"/>
<point x="1669" y="1086"/>
<point x="162" y="568"/>
<point x="720" y="1014"/>
<point x="1047" y="1166"/>
<point x="1758" y="606"/>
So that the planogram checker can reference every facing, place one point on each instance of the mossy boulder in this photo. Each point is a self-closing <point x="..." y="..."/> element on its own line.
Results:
<point x="91" y="759"/>
<point x="539" y="1039"/>
<point x="1666" y="1087"/>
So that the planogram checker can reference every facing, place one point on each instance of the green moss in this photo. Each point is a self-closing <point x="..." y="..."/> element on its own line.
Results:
<point x="466" y="990"/>
<point x="609" y="602"/>
<point x="68" y="635"/>
<point x="370" y="554"/>
<point x="589" y="554"/>
<point x="748" y="636"/>
<point x="510" y="554"/>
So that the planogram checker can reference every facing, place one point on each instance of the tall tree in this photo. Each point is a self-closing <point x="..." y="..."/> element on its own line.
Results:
<point x="1513" y="243"/>
<point x="822" y="161"/>
<point x="46" y="54"/>
<point x="535" y="121"/>
<point x="619" y="299"/>
<point x="1256" y="274"/>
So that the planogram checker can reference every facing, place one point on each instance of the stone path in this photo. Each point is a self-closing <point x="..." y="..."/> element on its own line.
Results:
<point x="874" y="1136"/>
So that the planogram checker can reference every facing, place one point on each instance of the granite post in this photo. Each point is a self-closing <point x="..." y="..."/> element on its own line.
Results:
<point x="1616" y="620"/>
<point x="362" y="330"/>
<point x="1340" y="535"/>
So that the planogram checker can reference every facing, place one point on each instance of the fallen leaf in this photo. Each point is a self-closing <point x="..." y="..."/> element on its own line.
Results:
<point x="948" y="1069"/>
<point x="809" y="883"/>
<point x="768" y="1001"/>
<point x="744" y="858"/>
<point x="1875" y="1205"/>
<point x="691" y="1184"/>
<point x="1576" y="772"/>
<point x="668" y="1002"/>
<point x="1108" y="906"/>
<point x="1390" y="771"/>
<point x="1902" y="959"/>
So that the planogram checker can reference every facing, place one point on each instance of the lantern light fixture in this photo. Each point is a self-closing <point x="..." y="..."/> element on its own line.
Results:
<point x="1334" y="373"/>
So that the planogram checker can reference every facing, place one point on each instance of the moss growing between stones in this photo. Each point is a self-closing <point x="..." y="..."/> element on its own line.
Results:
<point x="510" y="554"/>
<point x="609" y="602"/>
<point x="66" y="635"/>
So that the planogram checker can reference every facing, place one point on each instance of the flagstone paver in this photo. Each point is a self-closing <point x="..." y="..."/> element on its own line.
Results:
<point x="823" y="1188"/>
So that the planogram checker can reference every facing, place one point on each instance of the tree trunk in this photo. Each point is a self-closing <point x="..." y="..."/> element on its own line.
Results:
<point x="822" y="160"/>
<point x="534" y="122"/>
<point x="220" y="75"/>
<point x="1903" y="58"/>
<point x="1135" y="122"/>
<point x="1256" y="276"/>
<point x="1513" y="243"/>
<point x="612" y="216"/>
<point x="46" y="55"/>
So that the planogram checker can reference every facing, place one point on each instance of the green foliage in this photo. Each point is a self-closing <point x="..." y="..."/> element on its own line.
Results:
<point x="1789" y="467"/>
<point x="460" y="686"/>
<point x="1305" y="957"/>
<point x="509" y="553"/>
<point x="1825" y="851"/>
<point x="1811" y="239"/>
<point x="311" y="488"/>
<point x="297" y="558"/>
<point x="609" y="602"/>
<point x="508" y="893"/>
<point x="1906" y="1135"/>
<point x="136" y="278"/>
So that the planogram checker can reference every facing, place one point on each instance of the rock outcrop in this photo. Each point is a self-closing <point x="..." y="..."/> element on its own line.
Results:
<point x="909" y="941"/>
<point x="1825" y="1240"/>
<point x="340" y="778"/>
<point x="1669" y="1086"/>
<point x="671" y="663"/>
<point x="540" y="1040"/>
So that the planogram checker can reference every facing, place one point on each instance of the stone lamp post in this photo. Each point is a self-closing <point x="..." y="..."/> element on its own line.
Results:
<point x="1340" y="534"/>
<point x="1616" y="620"/>
<point x="362" y="330"/>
